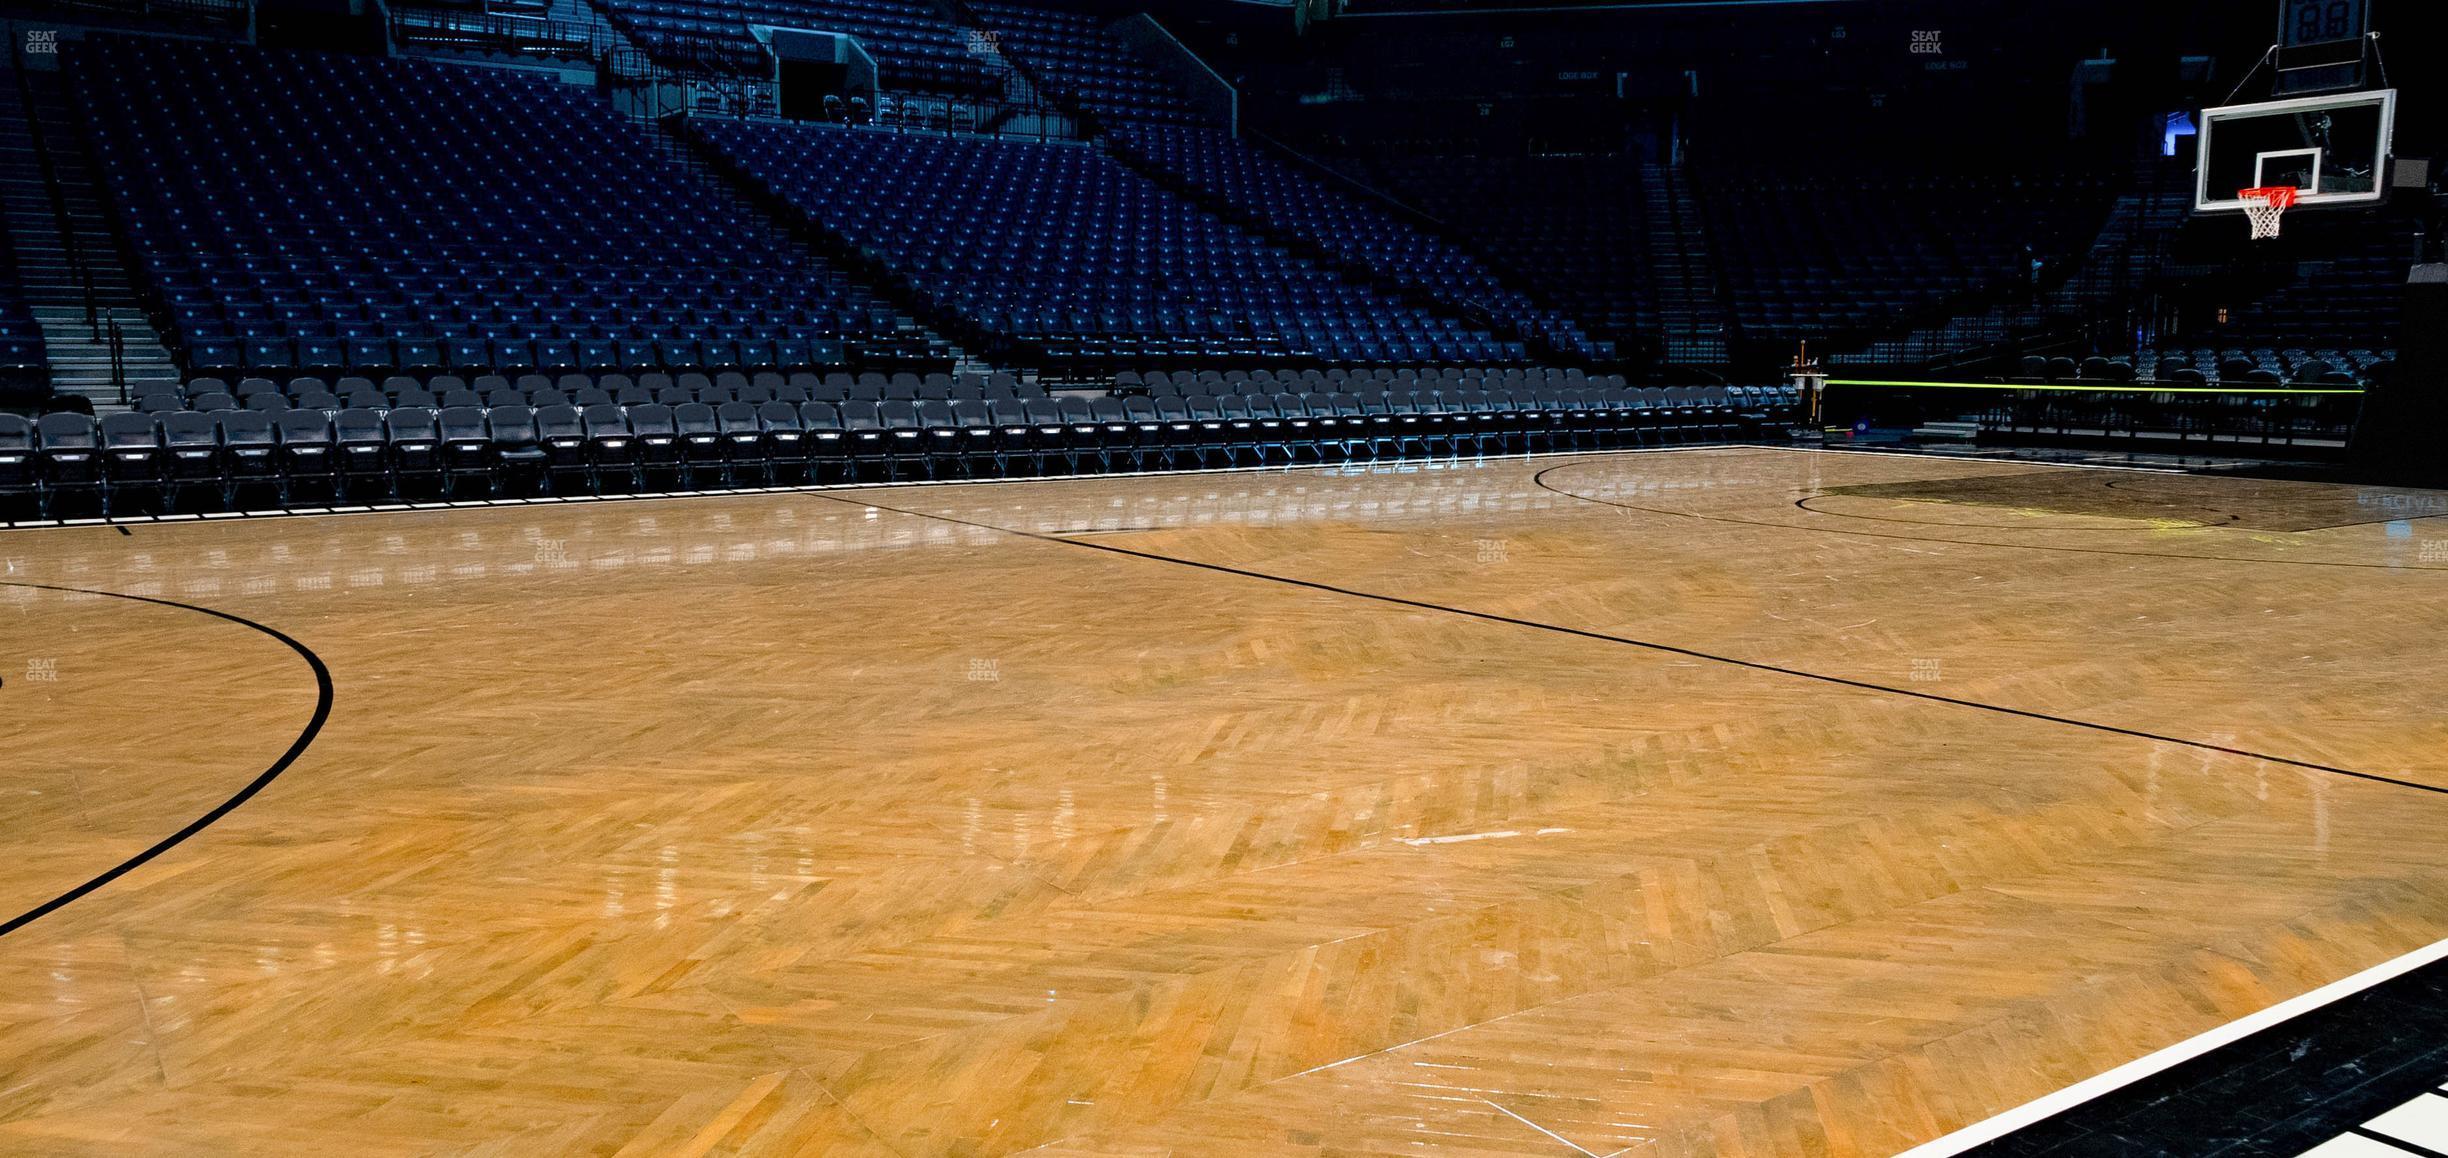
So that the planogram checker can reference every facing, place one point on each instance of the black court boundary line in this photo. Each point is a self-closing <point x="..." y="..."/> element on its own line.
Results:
<point x="2233" y="523"/>
<point x="297" y="748"/>
<point x="2413" y="1148"/>
<point x="1804" y="504"/>
<point x="1649" y="645"/>
<point x="1539" y="480"/>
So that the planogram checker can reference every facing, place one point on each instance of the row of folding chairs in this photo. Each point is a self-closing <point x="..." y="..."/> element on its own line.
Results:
<point x="274" y="401"/>
<point x="871" y="384"/>
<point x="136" y="463"/>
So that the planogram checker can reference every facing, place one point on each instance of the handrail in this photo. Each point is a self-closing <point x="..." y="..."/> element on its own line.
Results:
<point x="118" y="360"/>
<point x="446" y="29"/>
<point x="1060" y="99"/>
<point x="1717" y="291"/>
<point x="80" y="271"/>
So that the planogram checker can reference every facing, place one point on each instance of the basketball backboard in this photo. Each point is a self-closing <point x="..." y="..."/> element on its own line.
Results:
<point x="2334" y="149"/>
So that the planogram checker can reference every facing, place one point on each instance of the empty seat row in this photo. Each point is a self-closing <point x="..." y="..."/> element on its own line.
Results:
<point x="1057" y="254"/>
<point x="133" y="464"/>
<point x="370" y="215"/>
<point x="2180" y="372"/>
<point x="1084" y="61"/>
<point x="1290" y="204"/>
<point x="577" y="389"/>
<point x="21" y="340"/>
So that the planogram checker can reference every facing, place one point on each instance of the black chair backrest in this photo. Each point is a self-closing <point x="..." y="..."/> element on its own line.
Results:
<point x="129" y="431"/>
<point x="559" y="423"/>
<point x="463" y="424"/>
<point x="244" y="427"/>
<point x="303" y="427"/>
<point x="779" y="416"/>
<point x="408" y="424"/>
<point x="604" y="420"/>
<point x="652" y="420"/>
<point x="189" y="429"/>
<point x="357" y="424"/>
<point x="860" y="414"/>
<point x="695" y="418"/>
<point x="512" y="426"/>
<point x="819" y="416"/>
<point x="736" y="418"/>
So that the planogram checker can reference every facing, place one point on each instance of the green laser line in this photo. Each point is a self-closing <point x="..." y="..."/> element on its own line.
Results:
<point x="2121" y="388"/>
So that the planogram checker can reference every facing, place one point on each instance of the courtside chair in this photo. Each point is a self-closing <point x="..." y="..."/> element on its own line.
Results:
<point x="658" y="454"/>
<point x="363" y="453"/>
<point x="413" y="438"/>
<point x="21" y="490"/>
<point x="702" y="455"/>
<point x="467" y="449"/>
<point x="517" y="459"/>
<point x="130" y="448"/>
<point x="786" y="442"/>
<point x="71" y="471"/>
<point x="828" y="452"/>
<point x="250" y="455"/>
<point x="744" y="444"/>
<point x="611" y="448"/>
<point x="561" y="432"/>
<point x="191" y="440"/>
<point x="308" y="470"/>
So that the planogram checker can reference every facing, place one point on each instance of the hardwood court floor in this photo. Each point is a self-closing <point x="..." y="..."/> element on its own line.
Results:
<point x="1595" y="805"/>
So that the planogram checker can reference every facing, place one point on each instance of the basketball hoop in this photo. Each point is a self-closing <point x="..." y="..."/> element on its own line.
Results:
<point x="2264" y="207"/>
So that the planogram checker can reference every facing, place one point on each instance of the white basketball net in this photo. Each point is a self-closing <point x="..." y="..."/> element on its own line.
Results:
<point x="2264" y="208"/>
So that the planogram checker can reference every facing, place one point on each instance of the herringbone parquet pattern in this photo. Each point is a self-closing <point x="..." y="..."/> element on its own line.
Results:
<point x="862" y="824"/>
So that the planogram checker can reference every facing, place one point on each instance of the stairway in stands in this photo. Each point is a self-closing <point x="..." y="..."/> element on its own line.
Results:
<point x="40" y="149"/>
<point x="1690" y="313"/>
<point x="1026" y="111"/>
<point x="783" y="232"/>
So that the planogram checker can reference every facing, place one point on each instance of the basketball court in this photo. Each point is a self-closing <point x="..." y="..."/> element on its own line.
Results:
<point x="1733" y="801"/>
